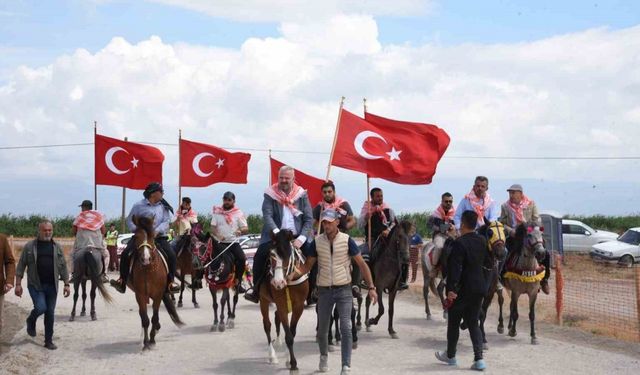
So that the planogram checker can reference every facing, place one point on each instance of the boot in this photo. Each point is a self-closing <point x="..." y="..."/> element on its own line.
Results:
<point x="120" y="285"/>
<point x="404" y="276"/>
<point x="253" y="294"/>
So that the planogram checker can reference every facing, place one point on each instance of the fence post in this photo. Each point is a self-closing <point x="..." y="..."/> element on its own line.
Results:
<point x="560" y="288"/>
<point x="637" y="277"/>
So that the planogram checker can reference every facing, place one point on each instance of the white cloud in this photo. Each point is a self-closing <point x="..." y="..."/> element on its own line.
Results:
<point x="570" y="95"/>
<point x="296" y="10"/>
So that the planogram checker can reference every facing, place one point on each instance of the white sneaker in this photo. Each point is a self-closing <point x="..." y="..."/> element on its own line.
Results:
<point x="324" y="363"/>
<point x="346" y="370"/>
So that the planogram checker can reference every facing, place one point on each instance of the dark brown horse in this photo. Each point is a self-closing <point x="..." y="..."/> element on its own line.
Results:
<point x="189" y="248"/>
<point x="149" y="280"/>
<point x="288" y="297"/>
<point x="386" y="271"/>
<point x="220" y="275"/>
<point x="88" y="266"/>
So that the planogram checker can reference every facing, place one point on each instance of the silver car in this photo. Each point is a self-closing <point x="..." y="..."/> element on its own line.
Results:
<point x="579" y="237"/>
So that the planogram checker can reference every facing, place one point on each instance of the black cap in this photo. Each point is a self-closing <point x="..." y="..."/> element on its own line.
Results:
<point x="86" y="204"/>
<point x="152" y="188"/>
<point x="229" y="195"/>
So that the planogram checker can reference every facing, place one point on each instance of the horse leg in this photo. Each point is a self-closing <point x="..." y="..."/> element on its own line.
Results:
<point x="366" y="313"/>
<point x="532" y="315"/>
<point x="426" y="280"/>
<point x="144" y="318"/>
<point x="513" y="317"/>
<point x="224" y="300"/>
<point x="76" y="285"/>
<point x="214" y="297"/>
<point x="83" y="312"/>
<point x="392" y="299"/>
<point x="276" y="318"/>
<point x="155" y="322"/>
<point x="359" y="315"/>
<point x="374" y="321"/>
<point x="354" y="329"/>
<point x="182" y="285"/>
<point x="92" y="295"/>
<point x="500" y="319"/>
<point x="288" y="338"/>
<point x="232" y="313"/>
<point x="193" y="290"/>
<point x="266" y="324"/>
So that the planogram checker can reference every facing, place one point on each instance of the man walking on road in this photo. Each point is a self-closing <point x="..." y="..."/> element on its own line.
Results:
<point x="44" y="262"/>
<point x="466" y="287"/>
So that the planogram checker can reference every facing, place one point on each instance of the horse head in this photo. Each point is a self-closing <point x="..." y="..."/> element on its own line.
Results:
<point x="280" y="257"/>
<point x="496" y="237"/>
<point x="529" y="237"/>
<point x="144" y="232"/>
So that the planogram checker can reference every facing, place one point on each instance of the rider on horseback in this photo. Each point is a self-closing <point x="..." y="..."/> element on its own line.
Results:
<point x="185" y="217"/>
<point x="285" y="206"/>
<point x="383" y="219"/>
<point x="228" y="222"/>
<point x="441" y="219"/>
<point x="152" y="206"/>
<point x="89" y="229"/>
<point x="477" y="200"/>
<point x="520" y="209"/>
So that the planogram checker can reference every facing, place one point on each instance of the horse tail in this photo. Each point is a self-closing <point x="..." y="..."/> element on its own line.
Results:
<point x="94" y="275"/>
<point x="171" y="309"/>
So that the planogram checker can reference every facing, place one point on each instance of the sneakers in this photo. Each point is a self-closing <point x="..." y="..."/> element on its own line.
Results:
<point x="50" y="346"/>
<point x="252" y="295"/>
<point x="324" y="363"/>
<point x="31" y="328"/>
<point x="346" y="370"/>
<point x="118" y="285"/>
<point x="479" y="365"/>
<point x="442" y="356"/>
<point x="544" y="284"/>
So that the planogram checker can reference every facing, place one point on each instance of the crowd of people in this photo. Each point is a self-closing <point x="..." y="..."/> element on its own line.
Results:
<point x="321" y="232"/>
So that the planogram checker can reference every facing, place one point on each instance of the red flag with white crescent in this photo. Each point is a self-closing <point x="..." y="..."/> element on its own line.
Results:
<point x="203" y="165"/>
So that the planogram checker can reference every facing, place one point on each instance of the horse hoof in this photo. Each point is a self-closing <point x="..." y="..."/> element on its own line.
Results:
<point x="221" y="327"/>
<point x="534" y="341"/>
<point x="231" y="324"/>
<point x="512" y="333"/>
<point x="72" y="318"/>
<point x="83" y="313"/>
<point x="214" y="328"/>
<point x="369" y="329"/>
<point x="94" y="317"/>
<point x="428" y="316"/>
<point x="196" y="306"/>
<point x="146" y="347"/>
<point x="500" y="329"/>
<point x="179" y="304"/>
<point x="394" y="335"/>
<point x="354" y="345"/>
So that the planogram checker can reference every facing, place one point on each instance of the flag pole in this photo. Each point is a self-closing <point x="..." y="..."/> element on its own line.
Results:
<point x="364" y="103"/>
<point x="124" y="199"/>
<point x="335" y="138"/>
<point x="179" y="167"/>
<point x="95" y="171"/>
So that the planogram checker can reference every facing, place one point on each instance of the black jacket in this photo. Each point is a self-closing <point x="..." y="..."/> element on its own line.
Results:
<point x="466" y="267"/>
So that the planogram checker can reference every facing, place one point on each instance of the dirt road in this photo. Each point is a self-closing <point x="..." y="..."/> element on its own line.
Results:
<point x="112" y="345"/>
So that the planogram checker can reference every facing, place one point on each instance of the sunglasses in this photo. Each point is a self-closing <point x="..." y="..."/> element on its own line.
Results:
<point x="448" y="201"/>
<point x="327" y="191"/>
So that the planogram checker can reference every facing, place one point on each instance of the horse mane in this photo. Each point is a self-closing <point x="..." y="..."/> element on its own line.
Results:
<point x="146" y="224"/>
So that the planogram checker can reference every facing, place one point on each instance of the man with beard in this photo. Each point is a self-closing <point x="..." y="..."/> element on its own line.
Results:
<point x="479" y="201"/>
<point x="332" y="201"/>
<point x="285" y="206"/>
<point x="442" y="218"/>
<point x="44" y="262"/>
<point x="228" y="222"/>
<point x="383" y="219"/>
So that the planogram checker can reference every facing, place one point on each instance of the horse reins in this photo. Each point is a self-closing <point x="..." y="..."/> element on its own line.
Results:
<point x="219" y="255"/>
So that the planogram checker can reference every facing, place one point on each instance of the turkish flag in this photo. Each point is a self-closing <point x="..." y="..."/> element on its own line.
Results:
<point x="203" y="165"/>
<point x="311" y="184"/>
<point x="126" y="164"/>
<point x="398" y="151"/>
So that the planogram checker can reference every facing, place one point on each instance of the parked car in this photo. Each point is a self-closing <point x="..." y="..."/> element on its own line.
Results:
<point x="624" y="251"/>
<point x="249" y="244"/>
<point x="122" y="241"/>
<point x="578" y="236"/>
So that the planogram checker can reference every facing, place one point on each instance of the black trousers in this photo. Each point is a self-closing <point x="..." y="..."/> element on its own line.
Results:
<point x="161" y="244"/>
<point x="240" y="260"/>
<point x="467" y="307"/>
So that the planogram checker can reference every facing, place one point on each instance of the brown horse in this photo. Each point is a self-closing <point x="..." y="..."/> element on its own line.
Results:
<point x="149" y="280"/>
<point x="386" y="271"/>
<point x="189" y="248"/>
<point x="288" y="297"/>
<point x="220" y="275"/>
<point x="524" y="273"/>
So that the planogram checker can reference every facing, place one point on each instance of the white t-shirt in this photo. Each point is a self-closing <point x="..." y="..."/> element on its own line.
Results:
<point x="226" y="232"/>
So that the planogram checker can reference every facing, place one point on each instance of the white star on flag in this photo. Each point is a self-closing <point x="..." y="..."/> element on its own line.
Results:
<point x="135" y="161"/>
<point x="220" y="163"/>
<point x="394" y="154"/>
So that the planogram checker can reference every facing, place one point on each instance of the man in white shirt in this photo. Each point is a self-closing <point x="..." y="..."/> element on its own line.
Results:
<point x="227" y="223"/>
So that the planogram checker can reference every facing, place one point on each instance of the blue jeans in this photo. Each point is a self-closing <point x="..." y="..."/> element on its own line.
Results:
<point x="342" y="298"/>
<point x="44" y="302"/>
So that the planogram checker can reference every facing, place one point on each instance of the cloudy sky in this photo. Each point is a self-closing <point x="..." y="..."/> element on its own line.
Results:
<point x="505" y="79"/>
